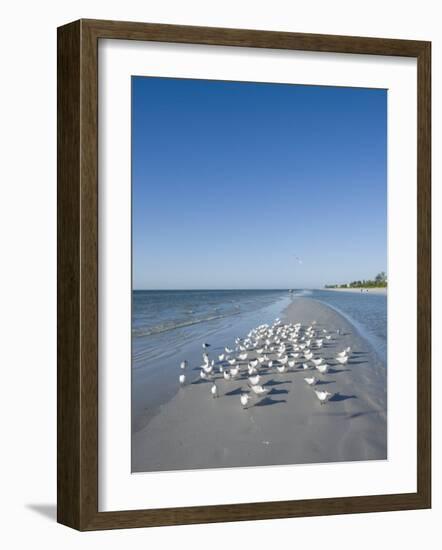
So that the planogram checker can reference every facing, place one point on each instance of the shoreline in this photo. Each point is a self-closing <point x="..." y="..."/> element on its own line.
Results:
<point x="154" y="387"/>
<point x="288" y="426"/>
<point x="362" y="290"/>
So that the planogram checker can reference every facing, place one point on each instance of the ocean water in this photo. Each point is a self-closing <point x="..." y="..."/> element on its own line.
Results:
<point x="168" y="326"/>
<point x="166" y="319"/>
<point x="366" y="311"/>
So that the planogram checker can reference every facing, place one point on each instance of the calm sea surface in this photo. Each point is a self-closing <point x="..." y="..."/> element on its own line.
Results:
<point x="366" y="311"/>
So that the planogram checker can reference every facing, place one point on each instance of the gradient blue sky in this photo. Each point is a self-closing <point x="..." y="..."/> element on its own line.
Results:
<point x="231" y="181"/>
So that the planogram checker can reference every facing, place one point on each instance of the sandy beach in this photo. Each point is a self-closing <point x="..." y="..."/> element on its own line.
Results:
<point x="288" y="425"/>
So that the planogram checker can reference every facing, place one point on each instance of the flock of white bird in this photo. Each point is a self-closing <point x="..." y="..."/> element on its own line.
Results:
<point x="268" y="348"/>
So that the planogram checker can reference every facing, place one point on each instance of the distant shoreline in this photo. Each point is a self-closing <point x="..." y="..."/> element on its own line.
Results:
<point x="361" y="290"/>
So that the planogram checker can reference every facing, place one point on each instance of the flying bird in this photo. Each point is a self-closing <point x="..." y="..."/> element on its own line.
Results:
<point x="252" y="370"/>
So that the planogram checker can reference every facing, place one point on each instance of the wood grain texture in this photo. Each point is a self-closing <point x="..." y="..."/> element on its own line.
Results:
<point x="68" y="276"/>
<point x="424" y="274"/>
<point x="77" y="217"/>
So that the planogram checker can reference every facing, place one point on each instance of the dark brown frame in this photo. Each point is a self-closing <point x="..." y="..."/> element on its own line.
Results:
<point x="77" y="459"/>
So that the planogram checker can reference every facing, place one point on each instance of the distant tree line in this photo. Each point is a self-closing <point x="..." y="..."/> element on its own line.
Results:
<point x="380" y="281"/>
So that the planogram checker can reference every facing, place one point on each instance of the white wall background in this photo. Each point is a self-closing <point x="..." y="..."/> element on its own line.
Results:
<point x="28" y="268"/>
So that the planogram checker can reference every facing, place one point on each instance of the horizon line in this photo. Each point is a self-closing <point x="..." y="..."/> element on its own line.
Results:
<point x="218" y="289"/>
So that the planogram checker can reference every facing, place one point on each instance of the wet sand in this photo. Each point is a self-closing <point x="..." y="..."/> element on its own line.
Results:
<point x="288" y="425"/>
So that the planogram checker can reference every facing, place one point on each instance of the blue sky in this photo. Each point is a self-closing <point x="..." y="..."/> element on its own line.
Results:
<point x="233" y="181"/>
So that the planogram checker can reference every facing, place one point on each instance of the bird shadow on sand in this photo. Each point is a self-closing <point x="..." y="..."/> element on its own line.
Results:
<point x="341" y="397"/>
<point x="334" y="370"/>
<point x="357" y="362"/>
<point x="269" y="401"/>
<point x="199" y="381"/>
<point x="325" y="382"/>
<point x="237" y="391"/>
<point x="365" y="413"/>
<point x="274" y="391"/>
<point x="277" y="382"/>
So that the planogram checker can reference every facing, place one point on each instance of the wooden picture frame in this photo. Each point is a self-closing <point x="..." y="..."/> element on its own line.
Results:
<point x="77" y="461"/>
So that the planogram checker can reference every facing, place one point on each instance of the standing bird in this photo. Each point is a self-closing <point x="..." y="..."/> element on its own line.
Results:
<point x="311" y="381"/>
<point x="234" y="372"/>
<point x="182" y="379"/>
<point x="254" y="380"/>
<point x="214" y="390"/>
<point x="183" y="364"/>
<point x="322" y="368"/>
<point x="207" y="369"/>
<point x="205" y="345"/>
<point x="244" y="400"/>
<point x="323" y="396"/>
<point x="342" y="360"/>
<point x="259" y="390"/>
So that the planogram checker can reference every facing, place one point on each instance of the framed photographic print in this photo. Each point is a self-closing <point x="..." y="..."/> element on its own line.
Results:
<point x="243" y="275"/>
